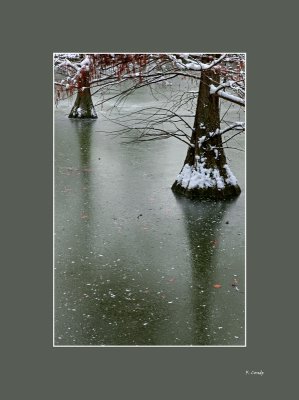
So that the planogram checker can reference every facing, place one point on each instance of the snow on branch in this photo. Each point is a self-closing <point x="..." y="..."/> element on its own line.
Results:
<point x="191" y="63"/>
<point x="67" y="63"/>
<point x="226" y="96"/>
<point x="239" y="126"/>
<point x="147" y="69"/>
<point x="199" y="66"/>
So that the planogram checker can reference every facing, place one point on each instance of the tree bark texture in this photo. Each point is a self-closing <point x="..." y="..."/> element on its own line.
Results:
<point x="83" y="106"/>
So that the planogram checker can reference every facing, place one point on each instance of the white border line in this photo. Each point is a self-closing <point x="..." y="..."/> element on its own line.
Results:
<point x="245" y="214"/>
<point x="53" y="172"/>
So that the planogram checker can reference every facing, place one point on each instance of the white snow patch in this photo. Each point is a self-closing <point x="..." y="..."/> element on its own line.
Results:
<point x="217" y="132"/>
<point x="231" y="179"/>
<point x="93" y="113"/>
<point x="200" y="176"/>
<point x="201" y="140"/>
<point x="184" y="176"/>
<point x="194" y="66"/>
<point x="86" y="61"/>
<point x="225" y="95"/>
<point x="218" y="179"/>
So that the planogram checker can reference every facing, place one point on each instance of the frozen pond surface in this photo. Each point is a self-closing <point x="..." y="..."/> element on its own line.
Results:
<point x="134" y="263"/>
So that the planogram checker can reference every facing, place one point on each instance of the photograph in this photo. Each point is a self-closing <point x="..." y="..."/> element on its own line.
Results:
<point x="149" y="199"/>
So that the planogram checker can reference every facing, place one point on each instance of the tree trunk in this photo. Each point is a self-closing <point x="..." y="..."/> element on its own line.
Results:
<point x="83" y="107"/>
<point x="205" y="173"/>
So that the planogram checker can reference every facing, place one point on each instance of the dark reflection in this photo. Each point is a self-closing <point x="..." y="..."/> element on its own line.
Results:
<point x="203" y="220"/>
<point x="72" y="232"/>
<point x="83" y="131"/>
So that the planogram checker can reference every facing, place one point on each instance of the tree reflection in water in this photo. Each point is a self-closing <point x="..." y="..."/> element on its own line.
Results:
<point x="211" y="299"/>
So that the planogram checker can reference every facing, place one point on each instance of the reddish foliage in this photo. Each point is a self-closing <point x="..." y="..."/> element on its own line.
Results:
<point x="133" y="66"/>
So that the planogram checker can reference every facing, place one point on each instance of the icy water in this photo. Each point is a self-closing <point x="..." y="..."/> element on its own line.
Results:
<point x="134" y="263"/>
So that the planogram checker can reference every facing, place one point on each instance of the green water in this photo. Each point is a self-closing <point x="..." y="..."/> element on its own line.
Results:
<point x="122" y="278"/>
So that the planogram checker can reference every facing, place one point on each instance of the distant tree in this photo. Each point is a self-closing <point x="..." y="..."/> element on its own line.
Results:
<point x="77" y="72"/>
<point x="205" y="173"/>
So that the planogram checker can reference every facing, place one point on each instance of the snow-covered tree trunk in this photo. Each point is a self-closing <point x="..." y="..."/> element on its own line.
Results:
<point x="205" y="173"/>
<point x="83" y="106"/>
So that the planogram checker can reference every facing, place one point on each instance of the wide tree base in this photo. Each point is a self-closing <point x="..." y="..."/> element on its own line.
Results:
<point x="83" y="117"/>
<point x="79" y="113"/>
<point x="211" y="193"/>
<point x="83" y="107"/>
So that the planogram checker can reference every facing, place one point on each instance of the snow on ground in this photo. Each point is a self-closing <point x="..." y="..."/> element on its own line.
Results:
<point x="201" y="177"/>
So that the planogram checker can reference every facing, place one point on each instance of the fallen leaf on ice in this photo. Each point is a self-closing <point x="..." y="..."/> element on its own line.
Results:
<point x="217" y="285"/>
